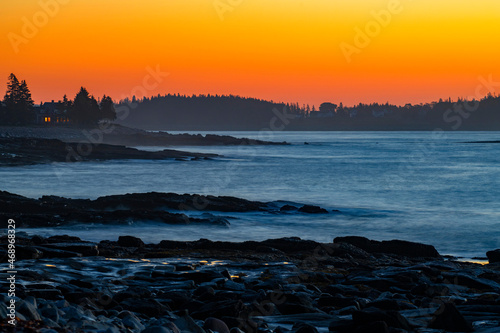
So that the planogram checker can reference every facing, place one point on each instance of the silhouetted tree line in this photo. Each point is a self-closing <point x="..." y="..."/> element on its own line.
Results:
<point x="474" y="114"/>
<point x="215" y="112"/>
<point x="18" y="107"/>
<point x="198" y="112"/>
<point x="229" y="112"/>
<point x="86" y="110"/>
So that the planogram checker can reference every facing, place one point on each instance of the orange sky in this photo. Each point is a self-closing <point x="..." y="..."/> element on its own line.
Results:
<point x="284" y="50"/>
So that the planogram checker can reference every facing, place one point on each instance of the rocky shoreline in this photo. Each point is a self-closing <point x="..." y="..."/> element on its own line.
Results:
<point x="353" y="284"/>
<point x="168" y="208"/>
<point x="27" y="151"/>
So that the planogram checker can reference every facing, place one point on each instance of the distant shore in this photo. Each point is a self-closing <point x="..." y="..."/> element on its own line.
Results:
<point x="120" y="135"/>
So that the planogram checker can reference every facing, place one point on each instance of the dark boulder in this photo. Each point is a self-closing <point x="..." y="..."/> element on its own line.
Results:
<point x="375" y="327"/>
<point x="55" y="253"/>
<point x="398" y="247"/>
<point x="149" y="307"/>
<point x="288" y="208"/>
<point x="156" y="329"/>
<point x="86" y="249"/>
<point x="28" y="252"/>
<point x="216" y="325"/>
<point x="51" y="294"/>
<point x="309" y="209"/>
<point x="304" y="328"/>
<point x="371" y="315"/>
<point x="448" y="318"/>
<point x="63" y="238"/>
<point x="291" y="244"/>
<point x="130" y="241"/>
<point x="493" y="256"/>
<point x="408" y="249"/>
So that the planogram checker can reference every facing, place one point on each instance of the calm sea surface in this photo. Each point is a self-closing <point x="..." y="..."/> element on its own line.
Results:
<point x="417" y="186"/>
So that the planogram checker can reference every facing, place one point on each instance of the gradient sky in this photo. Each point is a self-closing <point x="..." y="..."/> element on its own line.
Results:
<point x="284" y="50"/>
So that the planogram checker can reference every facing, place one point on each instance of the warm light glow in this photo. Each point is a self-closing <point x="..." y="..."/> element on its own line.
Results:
<point x="280" y="50"/>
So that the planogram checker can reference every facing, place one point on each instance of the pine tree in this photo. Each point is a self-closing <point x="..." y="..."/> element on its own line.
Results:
<point x="19" y="102"/>
<point x="107" y="107"/>
<point x="26" y="104"/>
<point x="85" y="109"/>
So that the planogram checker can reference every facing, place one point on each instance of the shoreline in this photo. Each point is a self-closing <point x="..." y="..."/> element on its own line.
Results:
<point x="114" y="134"/>
<point x="176" y="213"/>
<point x="303" y="286"/>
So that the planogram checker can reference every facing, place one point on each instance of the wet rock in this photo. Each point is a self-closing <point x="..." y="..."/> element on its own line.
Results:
<point x="156" y="329"/>
<point x="47" y="330"/>
<point x="132" y="322"/>
<point x="231" y="285"/>
<point x="382" y="293"/>
<point x="61" y="238"/>
<point x="341" y="326"/>
<point x="288" y="208"/>
<point x="82" y="283"/>
<point x="375" y="327"/>
<point x="336" y="301"/>
<point x="130" y="241"/>
<point x="49" y="294"/>
<point x="28" y="310"/>
<point x="29" y="151"/>
<point x="27" y="252"/>
<point x="493" y="256"/>
<point x="186" y="323"/>
<point x="398" y="247"/>
<point x="304" y="328"/>
<point x="291" y="244"/>
<point x="309" y="209"/>
<point x="237" y="330"/>
<point x="290" y="308"/>
<point x="371" y="315"/>
<point x="216" y="325"/>
<point x="51" y="312"/>
<point x="37" y="240"/>
<point x="86" y="249"/>
<point x="55" y="253"/>
<point x="149" y="307"/>
<point x="448" y="318"/>
<point x="343" y="249"/>
<point x="231" y="308"/>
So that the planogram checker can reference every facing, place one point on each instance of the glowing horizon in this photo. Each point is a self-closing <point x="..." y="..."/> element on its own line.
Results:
<point x="279" y="50"/>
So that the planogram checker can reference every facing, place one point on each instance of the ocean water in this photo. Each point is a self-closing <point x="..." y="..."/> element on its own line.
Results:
<point x="420" y="186"/>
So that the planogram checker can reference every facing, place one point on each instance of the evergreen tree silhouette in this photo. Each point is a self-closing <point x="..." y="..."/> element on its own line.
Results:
<point x="107" y="107"/>
<point x="18" y="102"/>
<point x="84" y="109"/>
